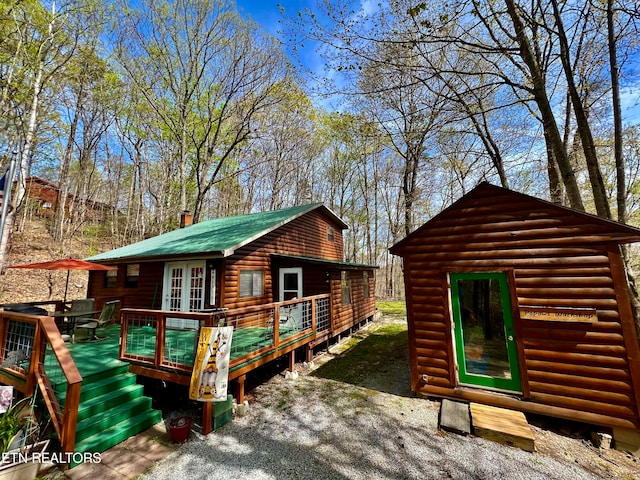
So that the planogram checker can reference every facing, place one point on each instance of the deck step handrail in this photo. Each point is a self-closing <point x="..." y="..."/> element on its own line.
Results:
<point x="65" y="421"/>
<point x="45" y="332"/>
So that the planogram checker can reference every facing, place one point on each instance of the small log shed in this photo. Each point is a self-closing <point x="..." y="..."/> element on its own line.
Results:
<point x="515" y="302"/>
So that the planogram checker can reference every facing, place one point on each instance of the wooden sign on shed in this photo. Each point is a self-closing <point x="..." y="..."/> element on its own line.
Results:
<point x="559" y="314"/>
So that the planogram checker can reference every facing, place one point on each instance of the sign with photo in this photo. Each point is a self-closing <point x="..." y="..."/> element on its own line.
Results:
<point x="210" y="375"/>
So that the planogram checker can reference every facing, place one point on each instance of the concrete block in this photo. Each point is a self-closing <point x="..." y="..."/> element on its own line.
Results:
<point x="627" y="440"/>
<point x="601" y="440"/>
<point x="455" y="417"/>
<point x="242" y="409"/>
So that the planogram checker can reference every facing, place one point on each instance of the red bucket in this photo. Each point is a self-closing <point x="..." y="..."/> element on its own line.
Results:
<point x="179" y="429"/>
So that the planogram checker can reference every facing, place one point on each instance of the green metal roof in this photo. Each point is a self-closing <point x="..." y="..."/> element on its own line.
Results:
<point x="219" y="237"/>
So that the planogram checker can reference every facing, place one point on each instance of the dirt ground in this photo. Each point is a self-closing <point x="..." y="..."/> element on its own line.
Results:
<point x="567" y="442"/>
<point x="34" y="244"/>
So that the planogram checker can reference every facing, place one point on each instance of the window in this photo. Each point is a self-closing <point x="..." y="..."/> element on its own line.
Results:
<point x="133" y="273"/>
<point x="331" y="234"/>
<point x="110" y="278"/>
<point x="365" y="284"/>
<point x="251" y="283"/>
<point x="346" y="287"/>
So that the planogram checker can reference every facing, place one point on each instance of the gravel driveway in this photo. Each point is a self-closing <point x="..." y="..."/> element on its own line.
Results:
<point x="317" y="428"/>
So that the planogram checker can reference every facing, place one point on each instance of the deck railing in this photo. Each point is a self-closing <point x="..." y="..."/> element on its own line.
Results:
<point x="167" y="340"/>
<point x="24" y="340"/>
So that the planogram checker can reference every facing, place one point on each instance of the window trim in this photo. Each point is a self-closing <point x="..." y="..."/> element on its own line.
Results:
<point x="111" y="279"/>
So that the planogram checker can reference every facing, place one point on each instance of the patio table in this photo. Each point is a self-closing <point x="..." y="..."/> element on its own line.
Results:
<point x="66" y="321"/>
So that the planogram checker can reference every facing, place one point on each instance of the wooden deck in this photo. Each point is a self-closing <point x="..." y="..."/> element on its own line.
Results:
<point x="93" y="357"/>
<point x="90" y="357"/>
<point x="156" y="344"/>
<point x="162" y="344"/>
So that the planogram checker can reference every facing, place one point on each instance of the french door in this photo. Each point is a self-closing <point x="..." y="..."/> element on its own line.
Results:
<point x="485" y="343"/>
<point x="184" y="290"/>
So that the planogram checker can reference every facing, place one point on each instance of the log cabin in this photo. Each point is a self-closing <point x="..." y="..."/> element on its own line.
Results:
<point x="43" y="197"/>
<point x="519" y="303"/>
<point x="278" y="278"/>
<point x="284" y="267"/>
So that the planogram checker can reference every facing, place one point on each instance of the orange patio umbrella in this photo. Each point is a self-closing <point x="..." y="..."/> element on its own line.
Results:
<point x="67" y="264"/>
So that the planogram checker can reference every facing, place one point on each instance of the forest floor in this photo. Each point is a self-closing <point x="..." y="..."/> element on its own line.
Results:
<point x="34" y="244"/>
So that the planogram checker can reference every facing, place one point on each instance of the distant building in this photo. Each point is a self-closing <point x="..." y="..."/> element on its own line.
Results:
<point x="45" y="195"/>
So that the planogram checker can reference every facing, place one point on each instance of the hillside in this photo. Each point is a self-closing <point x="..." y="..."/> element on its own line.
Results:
<point x="34" y="244"/>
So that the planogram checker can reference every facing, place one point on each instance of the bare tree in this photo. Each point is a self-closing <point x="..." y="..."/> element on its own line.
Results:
<point x="43" y="41"/>
<point x="205" y="73"/>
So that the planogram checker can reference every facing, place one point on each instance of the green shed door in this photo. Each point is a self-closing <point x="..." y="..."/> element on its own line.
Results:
<point x="483" y="327"/>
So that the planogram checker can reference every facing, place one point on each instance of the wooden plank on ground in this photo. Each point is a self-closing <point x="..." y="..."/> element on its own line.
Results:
<point x="501" y="425"/>
<point x="455" y="417"/>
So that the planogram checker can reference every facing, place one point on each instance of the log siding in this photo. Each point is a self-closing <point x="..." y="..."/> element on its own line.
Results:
<point x="554" y="258"/>
<point x="304" y="236"/>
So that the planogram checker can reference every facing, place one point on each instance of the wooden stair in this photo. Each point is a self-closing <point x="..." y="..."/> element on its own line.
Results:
<point x="509" y="427"/>
<point x="112" y="409"/>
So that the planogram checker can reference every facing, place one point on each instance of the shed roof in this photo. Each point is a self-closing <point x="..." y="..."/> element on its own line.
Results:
<point x="219" y="237"/>
<point x="494" y="199"/>
<point x="329" y="263"/>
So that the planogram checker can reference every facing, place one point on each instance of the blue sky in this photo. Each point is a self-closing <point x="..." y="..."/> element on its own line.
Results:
<point x="267" y="13"/>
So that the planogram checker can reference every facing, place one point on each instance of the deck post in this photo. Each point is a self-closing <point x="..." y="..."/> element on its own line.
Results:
<point x="292" y="360"/>
<point x="207" y="418"/>
<point x="37" y="357"/>
<point x="240" y="388"/>
<point x="308" y="353"/>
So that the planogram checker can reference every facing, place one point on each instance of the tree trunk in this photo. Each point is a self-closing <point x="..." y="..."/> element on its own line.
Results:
<point x="63" y="180"/>
<point x="18" y="195"/>
<point x="552" y="134"/>
<point x="584" y="130"/>
<point x="621" y="187"/>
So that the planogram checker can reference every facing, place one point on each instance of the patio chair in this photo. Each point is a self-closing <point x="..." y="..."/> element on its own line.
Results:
<point x="82" y="305"/>
<point x="106" y="316"/>
<point x="79" y="311"/>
